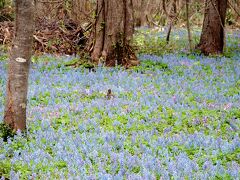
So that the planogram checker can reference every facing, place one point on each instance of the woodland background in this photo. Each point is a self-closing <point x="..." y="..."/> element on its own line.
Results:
<point x="162" y="109"/>
<point x="63" y="26"/>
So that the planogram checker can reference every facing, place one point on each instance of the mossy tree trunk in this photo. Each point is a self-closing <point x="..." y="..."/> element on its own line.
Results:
<point x="112" y="33"/>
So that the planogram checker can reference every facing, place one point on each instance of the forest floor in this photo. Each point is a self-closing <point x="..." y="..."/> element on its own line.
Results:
<point x="174" y="116"/>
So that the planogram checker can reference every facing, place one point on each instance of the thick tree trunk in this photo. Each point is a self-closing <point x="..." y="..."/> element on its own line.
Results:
<point x="113" y="31"/>
<point x="18" y="68"/>
<point x="212" y="37"/>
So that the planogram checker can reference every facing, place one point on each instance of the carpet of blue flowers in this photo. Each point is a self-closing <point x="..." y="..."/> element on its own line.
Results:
<point x="176" y="116"/>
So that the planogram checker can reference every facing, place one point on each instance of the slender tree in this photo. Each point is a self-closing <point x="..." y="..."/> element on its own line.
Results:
<point x="171" y="16"/>
<point x="212" y="37"/>
<point x="18" y="67"/>
<point x="188" y="25"/>
<point x="112" y="33"/>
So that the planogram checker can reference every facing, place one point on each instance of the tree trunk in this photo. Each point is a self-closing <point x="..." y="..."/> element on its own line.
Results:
<point x="188" y="26"/>
<point x="145" y="5"/>
<point x="138" y="9"/>
<point x="112" y="34"/>
<point x="18" y="68"/>
<point x="212" y="37"/>
<point x="171" y="16"/>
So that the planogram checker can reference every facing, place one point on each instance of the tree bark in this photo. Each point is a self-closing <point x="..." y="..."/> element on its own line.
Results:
<point x="212" y="37"/>
<point x="188" y="26"/>
<point x="171" y="17"/>
<point x="18" y="68"/>
<point x="112" y="34"/>
<point x="145" y="6"/>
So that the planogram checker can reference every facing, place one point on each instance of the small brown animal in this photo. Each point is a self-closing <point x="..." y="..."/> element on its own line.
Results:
<point x="109" y="94"/>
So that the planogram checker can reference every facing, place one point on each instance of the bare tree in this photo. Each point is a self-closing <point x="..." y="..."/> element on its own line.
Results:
<point x="18" y="68"/>
<point x="112" y="33"/>
<point x="188" y="26"/>
<point x="171" y="16"/>
<point x="212" y="37"/>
